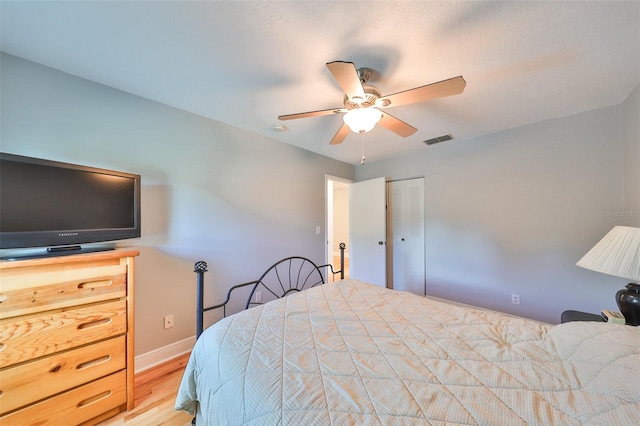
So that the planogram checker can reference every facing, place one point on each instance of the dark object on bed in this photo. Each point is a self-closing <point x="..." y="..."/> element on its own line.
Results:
<point x="289" y="275"/>
<point x="568" y="316"/>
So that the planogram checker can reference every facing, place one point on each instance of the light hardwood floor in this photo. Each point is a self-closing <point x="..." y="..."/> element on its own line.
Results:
<point x="154" y="395"/>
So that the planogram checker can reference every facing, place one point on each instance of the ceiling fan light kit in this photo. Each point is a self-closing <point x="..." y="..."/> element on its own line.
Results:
<point x="363" y="103"/>
<point x="362" y="120"/>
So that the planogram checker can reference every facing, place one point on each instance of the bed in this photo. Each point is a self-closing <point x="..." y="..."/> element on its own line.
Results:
<point x="351" y="353"/>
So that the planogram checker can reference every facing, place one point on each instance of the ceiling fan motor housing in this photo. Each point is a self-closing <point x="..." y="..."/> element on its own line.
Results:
<point x="372" y="95"/>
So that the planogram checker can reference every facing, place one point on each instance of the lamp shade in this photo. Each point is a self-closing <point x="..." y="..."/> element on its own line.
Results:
<point x="618" y="254"/>
<point x="362" y="120"/>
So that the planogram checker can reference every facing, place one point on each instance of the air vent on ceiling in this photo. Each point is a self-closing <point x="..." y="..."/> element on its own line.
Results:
<point x="439" y="139"/>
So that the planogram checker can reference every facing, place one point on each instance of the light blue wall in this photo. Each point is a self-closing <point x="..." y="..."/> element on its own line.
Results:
<point x="512" y="212"/>
<point x="506" y="213"/>
<point x="210" y="191"/>
<point x="631" y="139"/>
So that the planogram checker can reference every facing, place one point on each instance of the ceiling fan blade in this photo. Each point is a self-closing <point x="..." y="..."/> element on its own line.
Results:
<point x="347" y="77"/>
<point x="452" y="86"/>
<point x="396" y="125"/>
<point x="341" y="135"/>
<point x="311" y="114"/>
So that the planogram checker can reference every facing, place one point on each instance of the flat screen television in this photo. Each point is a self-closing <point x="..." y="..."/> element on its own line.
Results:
<point x="46" y="203"/>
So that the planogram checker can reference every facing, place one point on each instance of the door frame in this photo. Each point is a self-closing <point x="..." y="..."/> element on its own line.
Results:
<point x="328" y="214"/>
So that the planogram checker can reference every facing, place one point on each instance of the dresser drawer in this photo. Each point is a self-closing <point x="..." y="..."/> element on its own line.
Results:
<point x="75" y="406"/>
<point x="29" y="382"/>
<point x="43" y="288"/>
<point x="33" y="336"/>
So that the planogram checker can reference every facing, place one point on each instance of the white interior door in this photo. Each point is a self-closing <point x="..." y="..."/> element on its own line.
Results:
<point x="406" y="235"/>
<point x="367" y="231"/>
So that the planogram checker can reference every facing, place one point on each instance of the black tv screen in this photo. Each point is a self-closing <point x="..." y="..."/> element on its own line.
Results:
<point x="49" y="203"/>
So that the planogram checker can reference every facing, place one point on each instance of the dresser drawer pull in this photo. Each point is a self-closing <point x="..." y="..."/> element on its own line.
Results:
<point x="94" y="398"/>
<point x="93" y="362"/>
<point x="95" y="284"/>
<point x="94" y="323"/>
<point x="55" y="369"/>
<point x="3" y="297"/>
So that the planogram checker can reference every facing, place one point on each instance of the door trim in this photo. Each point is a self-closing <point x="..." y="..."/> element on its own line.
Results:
<point x="328" y="215"/>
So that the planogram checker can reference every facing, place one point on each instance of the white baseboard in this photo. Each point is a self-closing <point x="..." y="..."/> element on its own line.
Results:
<point x="163" y="354"/>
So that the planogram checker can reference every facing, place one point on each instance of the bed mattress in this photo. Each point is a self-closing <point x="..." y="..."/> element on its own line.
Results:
<point x="351" y="353"/>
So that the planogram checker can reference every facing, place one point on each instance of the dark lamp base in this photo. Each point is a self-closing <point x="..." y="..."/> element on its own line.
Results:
<point x="628" y="300"/>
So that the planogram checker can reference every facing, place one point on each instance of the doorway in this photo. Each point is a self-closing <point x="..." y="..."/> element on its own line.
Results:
<point x="337" y="221"/>
<point x="404" y="243"/>
<point x="356" y="216"/>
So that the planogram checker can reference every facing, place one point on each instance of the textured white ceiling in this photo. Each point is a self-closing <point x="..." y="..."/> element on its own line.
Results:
<point x="245" y="63"/>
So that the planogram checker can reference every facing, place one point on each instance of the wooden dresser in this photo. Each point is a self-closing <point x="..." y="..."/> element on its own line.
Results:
<point x="66" y="338"/>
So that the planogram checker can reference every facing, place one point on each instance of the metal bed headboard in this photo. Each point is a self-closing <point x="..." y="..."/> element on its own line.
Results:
<point x="288" y="275"/>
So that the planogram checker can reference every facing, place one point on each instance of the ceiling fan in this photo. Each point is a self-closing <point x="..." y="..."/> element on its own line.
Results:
<point x="364" y="103"/>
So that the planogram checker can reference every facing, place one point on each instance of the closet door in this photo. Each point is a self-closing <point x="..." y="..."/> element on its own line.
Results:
<point x="406" y="239"/>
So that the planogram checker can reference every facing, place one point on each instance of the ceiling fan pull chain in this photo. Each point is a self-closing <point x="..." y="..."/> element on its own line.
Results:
<point x="362" y="142"/>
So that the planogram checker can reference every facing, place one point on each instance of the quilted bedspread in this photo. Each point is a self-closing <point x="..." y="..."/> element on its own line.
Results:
<point x="350" y="353"/>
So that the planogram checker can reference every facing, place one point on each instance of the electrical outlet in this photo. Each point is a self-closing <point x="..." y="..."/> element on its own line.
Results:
<point x="258" y="296"/>
<point x="168" y="321"/>
<point x="515" y="299"/>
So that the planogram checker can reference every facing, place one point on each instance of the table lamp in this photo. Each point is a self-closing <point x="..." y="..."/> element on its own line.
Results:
<point x="618" y="254"/>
